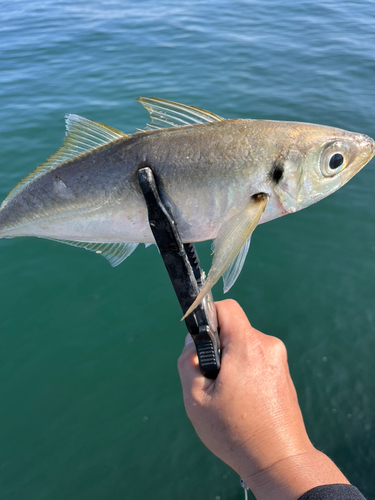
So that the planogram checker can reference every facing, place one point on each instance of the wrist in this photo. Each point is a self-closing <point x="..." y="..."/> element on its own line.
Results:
<point x="291" y="477"/>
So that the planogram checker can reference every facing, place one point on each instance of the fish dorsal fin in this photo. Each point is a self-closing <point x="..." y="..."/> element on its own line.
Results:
<point x="165" y="114"/>
<point x="232" y="236"/>
<point x="115" y="253"/>
<point x="235" y="267"/>
<point x="82" y="135"/>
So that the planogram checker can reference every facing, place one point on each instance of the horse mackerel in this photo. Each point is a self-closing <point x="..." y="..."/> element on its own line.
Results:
<point x="220" y="178"/>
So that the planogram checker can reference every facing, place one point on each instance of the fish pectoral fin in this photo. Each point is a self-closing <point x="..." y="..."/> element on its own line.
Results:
<point x="166" y="114"/>
<point x="235" y="267"/>
<point x="115" y="253"/>
<point x="82" y="135"/>
<point x="231" y="242"/>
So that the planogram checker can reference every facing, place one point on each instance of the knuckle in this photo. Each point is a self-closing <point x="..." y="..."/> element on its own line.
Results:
<point x="231" y="302"/>
<point x="194" y="403"/>
<point x="190" y="406"/>
<point x="279" y="348"/>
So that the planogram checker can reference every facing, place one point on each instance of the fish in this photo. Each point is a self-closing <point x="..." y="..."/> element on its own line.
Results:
<point x="219" y="178"/>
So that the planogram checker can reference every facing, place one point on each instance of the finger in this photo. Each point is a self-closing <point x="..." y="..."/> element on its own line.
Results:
<point x="188" y="365"/>
<point x="192" y="380"/>
<point x="233" y="323"/>
<point x="232" y="320"/>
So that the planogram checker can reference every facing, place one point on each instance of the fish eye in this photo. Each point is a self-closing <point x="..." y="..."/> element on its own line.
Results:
<point x="333" y="159"/>
<point x="336" y="161"/>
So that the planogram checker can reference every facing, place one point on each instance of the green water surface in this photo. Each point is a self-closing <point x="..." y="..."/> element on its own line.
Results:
<point x="91" y="405"/>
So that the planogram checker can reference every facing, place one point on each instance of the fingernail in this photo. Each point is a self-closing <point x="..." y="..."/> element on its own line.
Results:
<point x="188" y="339"/>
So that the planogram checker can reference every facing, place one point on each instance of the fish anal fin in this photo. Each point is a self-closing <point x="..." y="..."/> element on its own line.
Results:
<point x="232" y="236"/>
<point x="166" y="114"/>
<point x="115" y="253"/>
<point x="82" y="135"/>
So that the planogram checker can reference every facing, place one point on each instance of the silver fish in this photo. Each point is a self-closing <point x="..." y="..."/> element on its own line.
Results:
<point x="219" y="177"/>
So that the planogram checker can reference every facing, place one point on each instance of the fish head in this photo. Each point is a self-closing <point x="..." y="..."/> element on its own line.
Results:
<point x="320" y="161"/>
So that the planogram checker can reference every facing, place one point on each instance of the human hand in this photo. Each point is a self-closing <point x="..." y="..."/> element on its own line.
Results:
<point x="249" y="416"/>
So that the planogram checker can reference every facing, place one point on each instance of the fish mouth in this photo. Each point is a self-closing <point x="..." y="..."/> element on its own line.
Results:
<point x="366" y="148"/>
<point x="369" y="144"/>
<point x="373" y="148"/>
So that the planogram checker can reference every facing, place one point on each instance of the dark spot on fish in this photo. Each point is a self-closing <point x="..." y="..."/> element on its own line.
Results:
<point x="277" y="170"/>
<point x="259" y="196"/>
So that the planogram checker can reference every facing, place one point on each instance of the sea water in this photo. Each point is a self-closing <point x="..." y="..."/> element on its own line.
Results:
<point x="91" y="404"/>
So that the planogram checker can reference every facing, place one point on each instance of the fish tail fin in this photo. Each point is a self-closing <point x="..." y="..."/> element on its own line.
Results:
<point x="5" y="222"/>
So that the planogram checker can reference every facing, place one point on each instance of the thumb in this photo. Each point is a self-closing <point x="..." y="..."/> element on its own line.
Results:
<point x="233" y="323"/>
